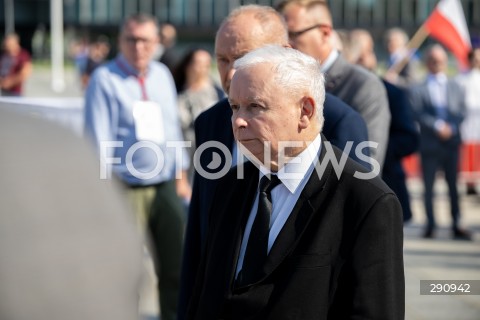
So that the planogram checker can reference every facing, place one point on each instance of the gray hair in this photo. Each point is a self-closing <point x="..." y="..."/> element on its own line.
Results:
<point x="294" y="71"/>
<point x="435" y="47"/>
<point x="396" y="31"/>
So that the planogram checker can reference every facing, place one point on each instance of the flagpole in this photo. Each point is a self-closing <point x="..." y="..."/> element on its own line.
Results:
<point x="58" y="72"/>
<point x="412" y="46"/>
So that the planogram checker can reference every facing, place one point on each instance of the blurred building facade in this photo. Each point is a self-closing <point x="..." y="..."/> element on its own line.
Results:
<point x="200" y="18"/>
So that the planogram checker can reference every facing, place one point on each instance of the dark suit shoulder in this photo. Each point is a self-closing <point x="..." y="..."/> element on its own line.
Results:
<point x="363" y="182"/>
<point x="353" y="73"/>
<point x="334" y="108"/>
<point x="214" y="124"/>
<point x="358" y="87"/>
<point x="212" y="114"/>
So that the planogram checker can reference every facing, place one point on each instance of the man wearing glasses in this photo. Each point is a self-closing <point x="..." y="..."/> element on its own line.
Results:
<point x="131" y="116"/>
<point x="310" y="31"/>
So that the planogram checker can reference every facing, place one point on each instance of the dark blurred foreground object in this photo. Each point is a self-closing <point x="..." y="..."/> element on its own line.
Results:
<point x="69" y="248"/>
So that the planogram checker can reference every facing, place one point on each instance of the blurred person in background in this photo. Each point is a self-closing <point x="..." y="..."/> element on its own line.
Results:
<point x="470" y="127"/>
<point x="197" y="91"/>
<point x="131" y="114"/>
<point x="310" y="28"/>
<point x="439" y="108"/>
<point x="15" y="66"/>
<point x="97" y="53"/>
<point x="168" y="39"/>
<point x="396" y="41"/>
<point x="361" y="49"/>
<point x="403" y="136"/>
<point x="78" y="51"/>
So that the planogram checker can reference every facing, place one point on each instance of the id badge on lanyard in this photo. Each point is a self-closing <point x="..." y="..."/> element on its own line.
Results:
<point x="147" y="115"/>
<point x="148" y="119"/>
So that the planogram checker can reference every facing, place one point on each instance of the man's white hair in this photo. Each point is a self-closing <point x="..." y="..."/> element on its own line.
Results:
<point x="297" y="73"/>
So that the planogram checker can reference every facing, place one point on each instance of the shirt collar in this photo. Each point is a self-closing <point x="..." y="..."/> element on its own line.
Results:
<point x="127" y="68"/>
<point x="327" y="63"/>
<point x="295" y="170"/>
<point x="398" y="55"/>
<point x="439" y="77"/>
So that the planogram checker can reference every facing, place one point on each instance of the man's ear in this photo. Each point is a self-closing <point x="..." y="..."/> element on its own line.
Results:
<point x="307" y="113"/>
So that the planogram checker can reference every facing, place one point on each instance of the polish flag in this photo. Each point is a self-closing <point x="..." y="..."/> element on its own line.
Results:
<point x="447" y="24"/>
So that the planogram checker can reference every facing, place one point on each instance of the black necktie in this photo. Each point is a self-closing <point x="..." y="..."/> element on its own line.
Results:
<point x="257" y="247"/>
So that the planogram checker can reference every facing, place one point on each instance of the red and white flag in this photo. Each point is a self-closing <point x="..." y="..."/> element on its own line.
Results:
<point x="447" y="24"/>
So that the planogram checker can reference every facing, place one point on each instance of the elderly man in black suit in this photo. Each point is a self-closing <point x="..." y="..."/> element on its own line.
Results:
<point x="308" y="241"/>
<point x="310" y="31"/>
<point x="439" y="106"/>
<point x="247" y="28"/>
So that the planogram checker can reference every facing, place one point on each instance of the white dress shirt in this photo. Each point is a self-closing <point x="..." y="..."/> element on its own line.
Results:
<point x="471" y="125"/>
<point x="328" y="62"/>
<point x="437" y="88"/>
<point x="294" y="176"/>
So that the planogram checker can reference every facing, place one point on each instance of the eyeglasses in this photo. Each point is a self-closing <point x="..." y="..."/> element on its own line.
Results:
<point x="295" y="34"/>
<point x="133" y="41"/>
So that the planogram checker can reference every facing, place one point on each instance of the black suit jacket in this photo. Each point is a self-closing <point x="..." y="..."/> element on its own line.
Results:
<point x="338" y="256"/>
<point x="342" y="124"/>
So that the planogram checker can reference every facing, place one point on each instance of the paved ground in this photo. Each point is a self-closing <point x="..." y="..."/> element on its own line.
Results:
<point x="436" y="259"/>
<point x="441" y="258"/>
<point x="40" y="84"/>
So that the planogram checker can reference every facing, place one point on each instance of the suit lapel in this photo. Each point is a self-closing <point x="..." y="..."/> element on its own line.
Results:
<point x="333" y="76"/>
<point x="241" y="203"/>
<point x="425" y="92"/>
<point x="300" y="217"/>
<point x="452" y="97"/>
<point x="228" y="215"/>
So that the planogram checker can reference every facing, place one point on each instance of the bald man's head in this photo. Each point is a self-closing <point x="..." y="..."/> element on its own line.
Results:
<point x="243" y="30"/>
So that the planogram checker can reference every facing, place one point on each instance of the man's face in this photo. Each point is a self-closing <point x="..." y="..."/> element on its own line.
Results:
<point x="437" y="61"/>
<point x="200" y="64"/>
<point x="138" y="43"/>
<point x="263" y="112"/>
<point x="306" y="34"/>
<point x="395" y="42"/>
<point x="235" y="39"/>
<point x="11" y="46"/>
<point x="367" y="58"/>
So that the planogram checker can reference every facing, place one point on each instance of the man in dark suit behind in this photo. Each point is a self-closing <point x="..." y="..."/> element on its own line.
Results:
<point x="403" y="141"/>
<point x="310" y="27"/>
<point x="403" y="137"/>
<point x="246" y="28"/>
<point x="439" y="106"/>
<point x="334" y="248"/>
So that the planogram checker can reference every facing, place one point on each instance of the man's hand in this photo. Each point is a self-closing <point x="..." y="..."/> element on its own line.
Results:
<point x="444" y="130"/>
<point x="6" y="83"/>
